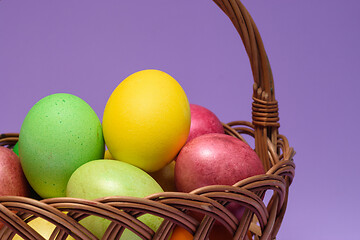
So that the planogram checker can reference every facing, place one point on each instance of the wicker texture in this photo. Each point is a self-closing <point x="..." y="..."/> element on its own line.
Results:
<point x="261" y="219"/>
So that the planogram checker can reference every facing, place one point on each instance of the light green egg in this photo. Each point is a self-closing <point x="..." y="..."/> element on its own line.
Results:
<point x="103" y="178"/>
<point x="60" y="133"/>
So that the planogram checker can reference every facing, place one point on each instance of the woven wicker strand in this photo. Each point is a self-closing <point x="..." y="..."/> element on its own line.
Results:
<point x="263" y="197"/>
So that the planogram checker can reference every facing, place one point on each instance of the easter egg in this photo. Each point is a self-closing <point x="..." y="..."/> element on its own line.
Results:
<point x="12" y="178"/>
<point x="60" y="133"/>
<point x="181" y="233"/>
<point x="107" y="154"/>
<point x="203" y="121"/>
<point x="165" y="177"/>
<point x="16" y="148"/>
<point x="103" y="178"/>
<point x="215" y="159"/>
<point x="41" y="226"/>
<point x="146" y="120"/>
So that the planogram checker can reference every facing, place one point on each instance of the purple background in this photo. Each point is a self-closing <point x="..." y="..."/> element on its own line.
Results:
<point x="87" y="47"/>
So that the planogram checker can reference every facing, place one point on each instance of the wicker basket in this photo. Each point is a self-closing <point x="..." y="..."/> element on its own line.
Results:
<point x="261" y="219"/>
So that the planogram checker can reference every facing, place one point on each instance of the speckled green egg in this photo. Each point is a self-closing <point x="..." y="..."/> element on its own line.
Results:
<point x="60" y="133"/>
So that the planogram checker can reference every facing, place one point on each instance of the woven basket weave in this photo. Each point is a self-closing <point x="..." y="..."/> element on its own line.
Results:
<point x="261" y="219"/>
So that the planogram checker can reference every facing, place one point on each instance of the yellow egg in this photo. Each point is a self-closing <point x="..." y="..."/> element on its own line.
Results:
<point x="107" y="154"/>
<point x="146" y="120"/>
<point x="43" y="227"/>
<point x="165" y="177"/>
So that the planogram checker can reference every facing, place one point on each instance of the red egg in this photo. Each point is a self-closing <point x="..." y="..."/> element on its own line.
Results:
<point x="215" y="159"/>
<point x="203" y="121"/>
<point x="12" y="178"/>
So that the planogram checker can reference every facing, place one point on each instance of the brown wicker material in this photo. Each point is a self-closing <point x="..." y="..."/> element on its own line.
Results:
<point x="263" y="215"/>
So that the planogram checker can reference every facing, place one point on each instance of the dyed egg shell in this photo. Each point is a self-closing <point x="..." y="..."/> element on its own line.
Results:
<point x="43" y="227"/>
<point x="147" y="120"/>
<point x="59" y="134"/>
<point x="16" y="148"/>
<point x="103" y="178"/>
<point x="180" y="233"/>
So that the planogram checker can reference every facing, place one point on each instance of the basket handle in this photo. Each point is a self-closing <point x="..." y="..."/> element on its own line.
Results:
<point x="265" y="115"/>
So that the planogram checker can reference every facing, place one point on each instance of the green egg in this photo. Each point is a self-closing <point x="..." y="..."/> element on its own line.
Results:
<point x="60" y="133"/>
<point x="102" y="178"/>
<point x="16" y="148"/>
